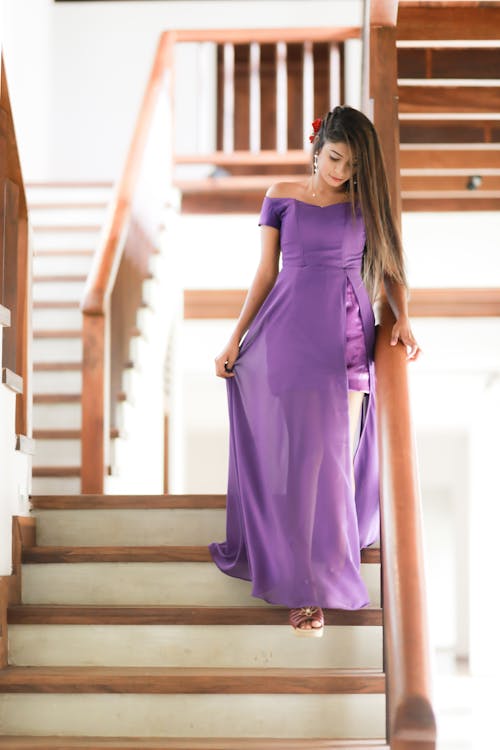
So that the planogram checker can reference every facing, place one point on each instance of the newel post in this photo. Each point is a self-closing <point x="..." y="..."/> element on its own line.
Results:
<point x="95" y="402"/>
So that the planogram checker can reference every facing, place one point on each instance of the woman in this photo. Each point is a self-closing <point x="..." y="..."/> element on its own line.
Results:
<point x="302" y="493"/>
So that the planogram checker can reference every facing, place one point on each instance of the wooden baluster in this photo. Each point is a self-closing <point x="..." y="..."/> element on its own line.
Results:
<point x="335" y="93"/>
<point x="228" y="113"/>
<point x="254" y="97"/>
<point x="308" y="89"/>
<point x="281" y="98"/>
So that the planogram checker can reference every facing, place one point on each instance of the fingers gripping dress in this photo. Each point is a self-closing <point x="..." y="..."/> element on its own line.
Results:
<point x="294" y="524"/>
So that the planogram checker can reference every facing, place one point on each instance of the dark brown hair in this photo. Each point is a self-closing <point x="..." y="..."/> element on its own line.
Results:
<point x="368" y="183"/>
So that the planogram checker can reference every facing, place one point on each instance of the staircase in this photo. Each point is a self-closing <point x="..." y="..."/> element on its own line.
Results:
<point x="67" y="220"/>
<point x="128" y="636"/>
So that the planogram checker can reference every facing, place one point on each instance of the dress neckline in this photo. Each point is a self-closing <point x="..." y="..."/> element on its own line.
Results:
<point x="306" y="203"/>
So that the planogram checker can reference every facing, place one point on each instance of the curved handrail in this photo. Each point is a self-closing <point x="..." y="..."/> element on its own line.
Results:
<point x="404" y="598"/>
<point x="107" y="258"/>
<point x="15" y="257"/>
<point x="410" y="716"/>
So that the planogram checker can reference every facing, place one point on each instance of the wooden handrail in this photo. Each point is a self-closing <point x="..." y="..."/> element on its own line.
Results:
<point x="15" y="263"/>
<point x="107" y="258"/>
<point x="410" y="717"/>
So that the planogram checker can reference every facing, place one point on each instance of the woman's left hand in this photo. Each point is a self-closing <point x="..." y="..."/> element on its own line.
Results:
<point x="401" y="331"/>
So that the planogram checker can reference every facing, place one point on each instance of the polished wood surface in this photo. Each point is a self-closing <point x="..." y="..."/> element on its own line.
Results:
<point x="439" y="21"/>
<point x="152" y="553"/>
<point x="410" y="718"/>
<point x="172" y="680"/>
<point x="112" y="293"/>
<point x="92" y="614"/>
<point x="457" y="302"/>
<point x="184" y="743"/>
<point x="15" y="261"/>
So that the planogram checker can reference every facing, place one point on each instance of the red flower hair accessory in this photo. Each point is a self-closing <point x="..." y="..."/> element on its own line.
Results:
<point x="316" y="126"/>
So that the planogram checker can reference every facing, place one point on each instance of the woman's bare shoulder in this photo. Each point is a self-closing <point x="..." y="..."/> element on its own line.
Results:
<point x="285" y="189"/>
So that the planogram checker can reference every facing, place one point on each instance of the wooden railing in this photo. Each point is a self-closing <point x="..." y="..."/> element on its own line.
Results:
<point x="113" y="292"/>
<point x="295" y="71"/>
<point x="410" y="717"/>
<point x="15" y="270"/>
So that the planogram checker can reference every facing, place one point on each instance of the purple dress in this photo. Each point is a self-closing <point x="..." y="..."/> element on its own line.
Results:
<point x="294" y="525"/>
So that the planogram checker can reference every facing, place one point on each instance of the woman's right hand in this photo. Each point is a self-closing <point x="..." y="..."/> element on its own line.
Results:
<point x="227" y="356"/>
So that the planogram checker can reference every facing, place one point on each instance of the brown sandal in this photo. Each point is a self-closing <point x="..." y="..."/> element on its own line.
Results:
<point x="299" y="615"/>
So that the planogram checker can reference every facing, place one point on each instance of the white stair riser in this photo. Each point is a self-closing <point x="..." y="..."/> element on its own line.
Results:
<point x="66" y="241"/>
<point x="59" y="264"/>
<point x="57" y="349"/>
<point x="57" y="381"/>
<point x="62" y="291"/>
<point x="192" y="646"/>
<point x="66" y="238"/>
<point x="57" y="453"/>
<point x="280" y="715"/>
<point x="147" y="583"/>
<point x="57" y="416"/>
<point x="56" y="485"/>
<point x="68" y="215"/>
<point x="132" y="527"/>
<point x="68" y="194"/>
<point x="54" y="318"/>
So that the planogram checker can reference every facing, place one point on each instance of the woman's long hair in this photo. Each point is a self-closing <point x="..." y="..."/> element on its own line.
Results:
<point x="384" y="250"/>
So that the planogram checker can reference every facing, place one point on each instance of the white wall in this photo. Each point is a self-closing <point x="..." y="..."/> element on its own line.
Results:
<point x="77" y="70"/>
<point x="15" y="471"/>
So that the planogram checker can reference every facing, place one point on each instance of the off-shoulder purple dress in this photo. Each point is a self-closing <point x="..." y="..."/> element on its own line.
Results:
<point x="295" y="526"/>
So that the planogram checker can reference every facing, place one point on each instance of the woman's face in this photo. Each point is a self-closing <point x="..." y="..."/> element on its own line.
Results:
<point x="334" y="164"/>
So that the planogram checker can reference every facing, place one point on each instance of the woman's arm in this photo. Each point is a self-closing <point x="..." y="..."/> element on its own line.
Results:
<point x="263" y="281"/>
<point x="401" y="331"/>
<point x="260" y="287"/>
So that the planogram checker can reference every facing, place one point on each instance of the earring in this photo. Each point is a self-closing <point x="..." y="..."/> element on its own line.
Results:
<point x="315" y="163"/>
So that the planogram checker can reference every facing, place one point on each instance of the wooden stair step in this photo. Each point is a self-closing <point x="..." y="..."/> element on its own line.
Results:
<point x="19" y="742"/>
<point x="173" y="680"/>
<point x="57" y="398"/>
<point x="67" y="228"/>
<point x="62" y="304"/>
<point x="67" y="434"/>
<point x="91" y="614"/>
<point x="184" y="553"/>
<point x="85" y="502"/>
<point x="50" y="366"/>
<point x="56" y="471"/>
<point x="63" y="278"/>
<point x="60" y="333"/>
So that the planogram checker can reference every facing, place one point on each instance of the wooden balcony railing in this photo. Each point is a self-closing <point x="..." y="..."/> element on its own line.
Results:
<point x="15" y="271"/>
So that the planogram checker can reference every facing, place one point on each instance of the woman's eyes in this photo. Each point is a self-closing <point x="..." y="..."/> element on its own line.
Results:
<point x="334" y="159"/>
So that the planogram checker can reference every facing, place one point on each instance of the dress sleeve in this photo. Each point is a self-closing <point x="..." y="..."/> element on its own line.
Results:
<point x="270" y="213"/>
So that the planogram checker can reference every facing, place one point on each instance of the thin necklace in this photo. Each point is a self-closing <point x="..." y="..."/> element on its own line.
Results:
<point x="314" y="194"/>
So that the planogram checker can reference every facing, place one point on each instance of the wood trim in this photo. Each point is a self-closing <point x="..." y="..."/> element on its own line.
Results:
<point x="423" y="303"/>
<point x="448" y="98"/>
<point x="12" y="380"/>
<point x="168" y="680"/>
<point x="267" y="157"/>
<point x="51" y="742"/>
<point x="91" y="614"/>
<point x="383" y="12"/>
<point x="121" y="502"/>
<point x="451" y="21"/>
<point x="4" y="603"/>
<point x="410" y="717"/>
<point x="166" y="554"/>
<point x="268" y="35"/>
